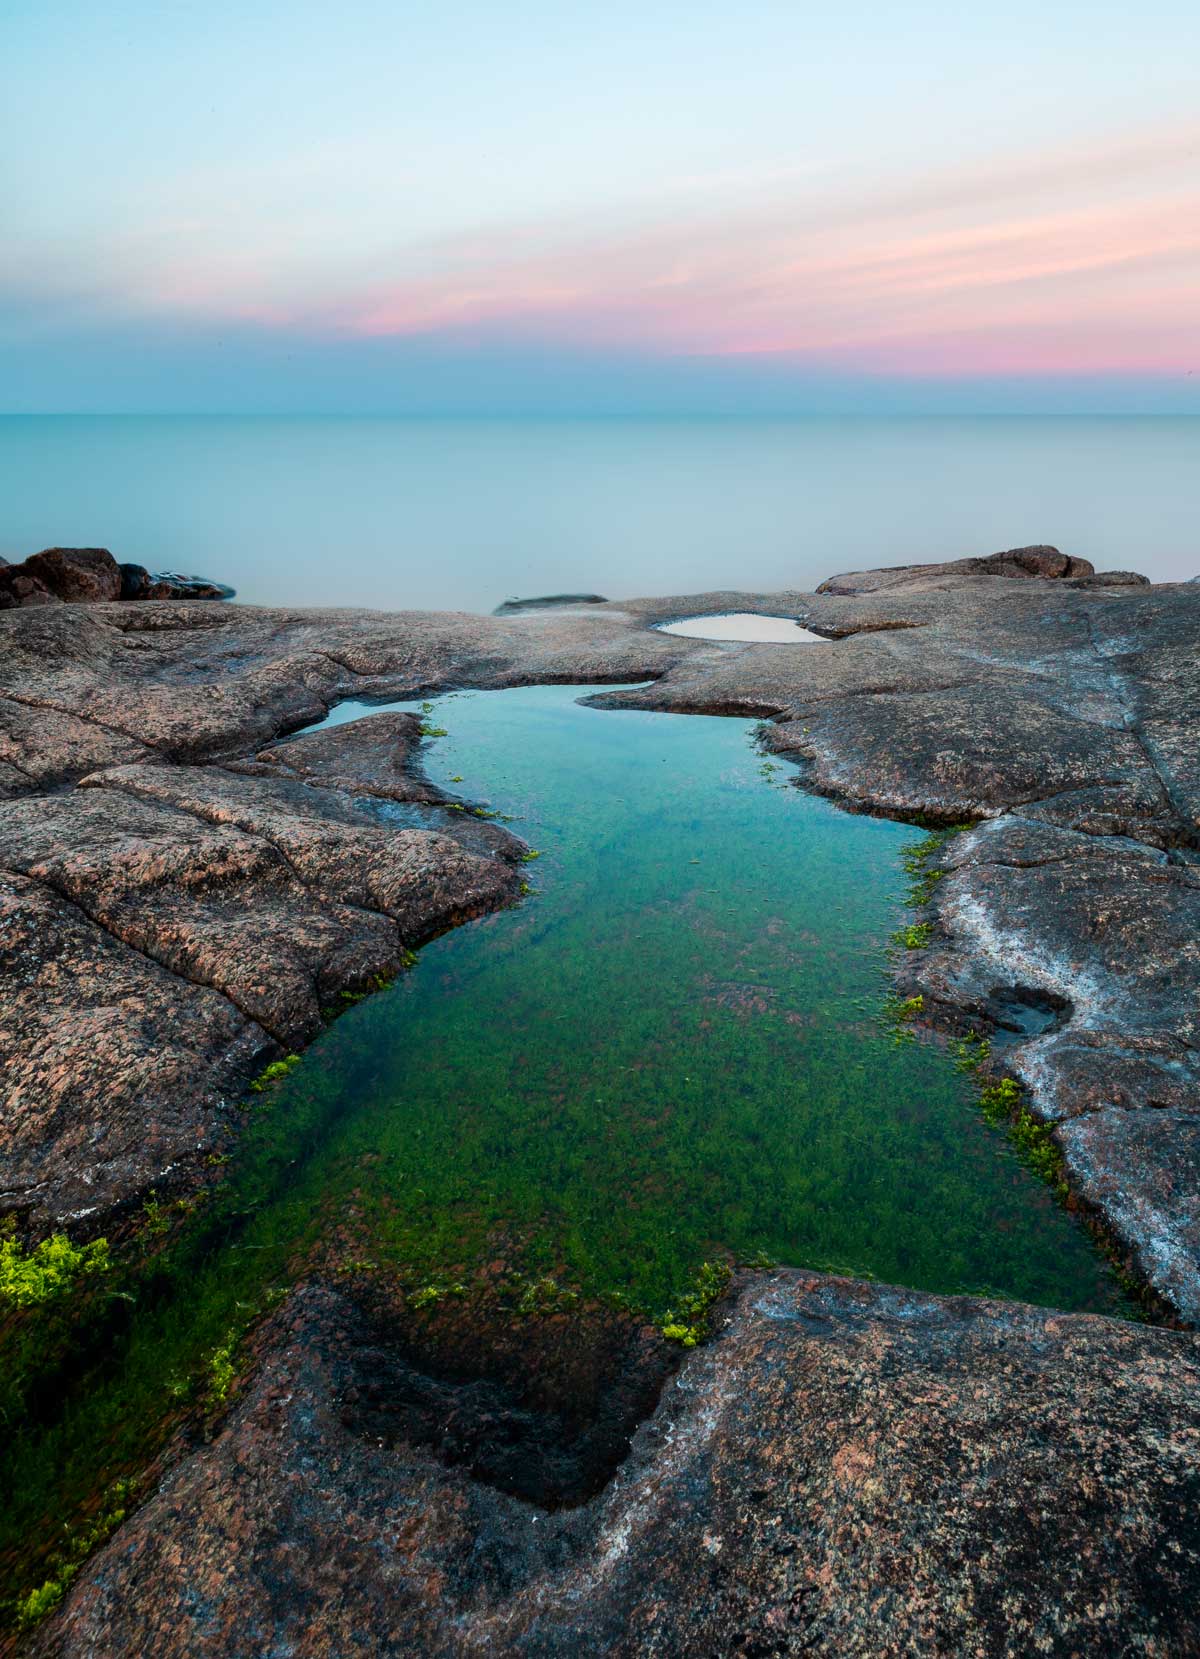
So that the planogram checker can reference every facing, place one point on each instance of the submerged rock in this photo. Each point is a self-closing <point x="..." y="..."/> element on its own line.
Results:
<point x="846" y="1469"/>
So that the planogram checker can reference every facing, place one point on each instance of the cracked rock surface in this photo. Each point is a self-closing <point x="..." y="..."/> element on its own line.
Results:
<point x="846" y="1469"/>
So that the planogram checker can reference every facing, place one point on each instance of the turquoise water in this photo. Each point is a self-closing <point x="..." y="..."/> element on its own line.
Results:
<point x="462" y="514"/>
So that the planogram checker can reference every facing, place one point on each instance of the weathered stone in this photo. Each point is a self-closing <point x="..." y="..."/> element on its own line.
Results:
<point x="115" y="1069"/>
<point x="19" y="586"/>
<point x="846" y="1469"/>
<point x="268" y="895"/>
<point x="378" y="755"/>
<point x="77" y="575"/>
<point x="1040" y="561"/>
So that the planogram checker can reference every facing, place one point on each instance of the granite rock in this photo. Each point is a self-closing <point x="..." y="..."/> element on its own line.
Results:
<point x="845" y="1469"/>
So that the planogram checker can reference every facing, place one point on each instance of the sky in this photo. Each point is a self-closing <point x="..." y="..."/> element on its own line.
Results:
<point x="458" y="206"/>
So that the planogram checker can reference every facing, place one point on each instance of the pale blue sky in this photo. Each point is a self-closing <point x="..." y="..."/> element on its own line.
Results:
<point x="322" y="197"/>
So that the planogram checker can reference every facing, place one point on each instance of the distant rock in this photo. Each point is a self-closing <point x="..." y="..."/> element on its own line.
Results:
<point x="548" y="602"/>
<point x="1021" y="562"/>
<point x="169" y="585"/>
<point x="91" y="576"/>
<point x="1112" y="579"/>
<point x="77" y="575"/>
<point x="138" y="583"/>
<point x="19" y="586"/>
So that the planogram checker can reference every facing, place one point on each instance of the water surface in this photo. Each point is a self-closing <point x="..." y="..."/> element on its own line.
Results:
<point x="462" y="514"/>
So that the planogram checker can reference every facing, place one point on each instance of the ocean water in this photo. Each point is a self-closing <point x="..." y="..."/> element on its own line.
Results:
<point x="465" y="513"/>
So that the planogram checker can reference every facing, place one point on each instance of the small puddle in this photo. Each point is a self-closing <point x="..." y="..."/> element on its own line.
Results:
<point x="745" y="626"/>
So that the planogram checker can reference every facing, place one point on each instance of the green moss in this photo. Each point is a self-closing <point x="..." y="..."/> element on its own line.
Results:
<point x="919" y="861"/>
<point x="530" y="853"/>
<point x="30" y="1277"/>
<point x="1000" y="1099"/>
<point x="690" y="1320"/>
<point x="79" y="1543"/>
<point x="971" y="1053"/>
<point x="540" y="1295"/>
<point x="275" y="1073"/>
<point x="905" y="1009"/>
<point x="221" y="1370"/>
<point x="428" y="1296"/>
<point x="1003" y="1102"/>
<point x="913" y="937"/>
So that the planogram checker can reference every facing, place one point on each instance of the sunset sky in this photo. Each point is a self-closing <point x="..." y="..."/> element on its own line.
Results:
<point x="487" y="206"/>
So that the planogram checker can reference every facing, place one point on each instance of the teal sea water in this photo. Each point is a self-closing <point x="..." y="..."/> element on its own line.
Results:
<point x="465" y="513"/>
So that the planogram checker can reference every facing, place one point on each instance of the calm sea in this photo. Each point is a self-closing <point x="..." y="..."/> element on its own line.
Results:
<point x="465" y="513"/>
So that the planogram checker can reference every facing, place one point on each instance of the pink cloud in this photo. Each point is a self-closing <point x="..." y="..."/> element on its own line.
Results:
<point x="1085" y="260"/>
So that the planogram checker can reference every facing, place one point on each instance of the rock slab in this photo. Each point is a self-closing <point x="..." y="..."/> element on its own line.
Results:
<point x="846" y="1469"/>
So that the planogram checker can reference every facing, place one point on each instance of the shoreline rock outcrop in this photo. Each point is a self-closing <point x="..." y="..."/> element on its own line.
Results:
<point x="844" y="1469"/>
<point x="1019" y="562"/>
<point x="91" y="576"/>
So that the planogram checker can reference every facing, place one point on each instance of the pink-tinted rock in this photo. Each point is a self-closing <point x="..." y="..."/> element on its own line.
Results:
<point x="845" y="1470"/>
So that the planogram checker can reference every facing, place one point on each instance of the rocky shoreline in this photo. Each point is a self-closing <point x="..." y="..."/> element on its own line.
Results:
<point x="184" y="892"/>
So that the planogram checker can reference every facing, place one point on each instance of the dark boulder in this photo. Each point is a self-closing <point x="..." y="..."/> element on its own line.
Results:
<point x="19" y="586"/>
<point x="90" y="576"/>
<point x="135" y="582"/>
<point x="77" y="575"/>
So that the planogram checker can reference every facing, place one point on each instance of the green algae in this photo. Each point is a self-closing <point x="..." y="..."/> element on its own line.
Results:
<point x="43" y="1274"/>
<point x="677" y="1054"/>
